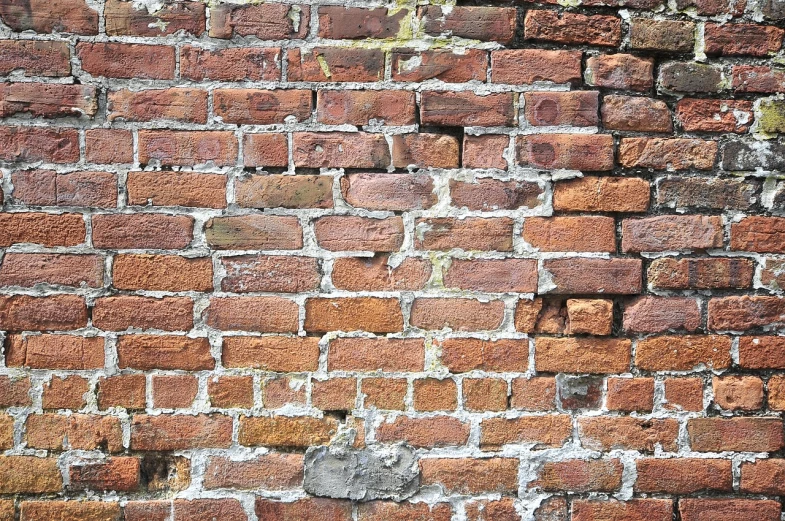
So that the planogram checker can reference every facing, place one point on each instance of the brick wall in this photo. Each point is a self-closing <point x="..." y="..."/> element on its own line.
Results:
<point x="491" y="261"/>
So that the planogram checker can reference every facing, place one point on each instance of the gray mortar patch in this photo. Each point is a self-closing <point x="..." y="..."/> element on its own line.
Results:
<point x="390" y="472"/>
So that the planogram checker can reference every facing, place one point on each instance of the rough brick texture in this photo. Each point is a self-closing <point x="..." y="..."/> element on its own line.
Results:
<point x="422" y="260"/>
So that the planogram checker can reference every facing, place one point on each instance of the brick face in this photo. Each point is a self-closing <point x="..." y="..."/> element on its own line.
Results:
<point x="523" y="257"/>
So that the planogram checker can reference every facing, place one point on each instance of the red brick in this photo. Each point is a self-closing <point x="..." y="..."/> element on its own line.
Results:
<point x="657" y="314"/>
<point x="475" y="23"/>
<point x="425" y="151"/>
<point x="265" y="150"/>
<point x="127" y="60"/>
<point x="683" y="353"/>
<point x="29" y="269"/>
<point x="683" y="476"/>
<point x="738" y="509"/>
<point x="578" y="109"/>
<point x="495" y="276"/>
<point x="537" y="393"/>
<point x="335" y="64"/>
<point x="307" y="509"/>
<point x="105" y="145"/>
<point x="35" y="57"/>
<point x="338" y="22"/>
<point x="29" y="475"/>
<point x="51" y="145"/>
<point x="392" y="511"/>
<point x="636" y="114"/>
<point x="467" y="354"/>
<point x="374" y="274"/>
<point x="85" y="510"/>
<point x="125" y="19"/>
<point x="128" y="311"/>
<point x="736" y="434"/>
<point x="176" y="189"/>
<point x="495" y="510"/>
<point x="55" y="352"/>
<point x="492" y="194"/>
<point x="52" y="313"/>
<point x="582" y="234"/>
<point x="484" y="394"/>
<point x="261" y="107"/>
<point x="763" y="476"/>
<point x="620" y="71"/>
<point x="703" y="115"/>
<point x="758" y="234"/>
<point x="458" y="314"/>
<point x="539" y="431"/>
<point x="164" y="352"/>
<point x="174" y="391"/>
<point x="335" y="394"/>
<point x="254" y="232"/>
<point x="630" y="394"/>
<point x="14" y="392"/>
<point x="579" y="476"/>
<point x="272" y="353"/>
<point x="631" y="510"/>
<point x="628" y="433"/>
<point x="265" y="314"/>
<point x="270" y="472"/>
<point x="47" y="100"/>
<point x="64" y="393"/>
<point x="700" y="273"/>
<point x="208" y="510"/>
<point x="78" y="432"/>
<point x="136" y="231"/>
<point x="395" y="192"/>
<point x="583" y="275"/>
<point x="738" y="392"/>
<point x="340" y="150"/>
<point x="125" y="390"/>
<point x="466" y="109"/>
<point x="62" y="16"/>
<point x="431" y="432"/>
<point x="742" y="39"/>
<point x="444" y="65"/>
<point x="745" y="312"/>
<point x="672" y="232"/>
<point x="359" y="107"/>
<point x="592" y="152"/>
<point x="120" y="474"/>
<point x="48" y="188"/>
<point x="385" y="393"/>
<point x="339" y="233"/>
<point x="373" y="314"/>
<point x="273" y="273"/>
<point x="752" y="78"/>
<point x="684" y="394"/>
<point x="582" y="355"/>
<point x="433" y="394"/>
<point x="160" y="510"/>
<point x="231" y="391"/>
<point x="231" y="64"/>
<point x="187" y="147"/>
<point x="286" y="431"/>
<point x="486" y="151"/>
<point x="670" y="154"/>
<point x="180" y="432"/>
<point x="471" y="233"/>
<point x="762" y="352"/>
<point x="471" y="476"/>
<point x="571" y="28"/>
<point x="527" y="66"/>
<point x="161" y="273"/>
<point x="602" y="194"/>
<point x="266" y="21"/>
<point x="179" y="104"/>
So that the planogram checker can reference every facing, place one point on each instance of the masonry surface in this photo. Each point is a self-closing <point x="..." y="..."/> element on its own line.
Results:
<point x="331" y="261"/>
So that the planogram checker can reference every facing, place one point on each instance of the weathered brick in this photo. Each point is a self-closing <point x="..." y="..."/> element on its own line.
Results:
<point x="434" y="394"/>
<point x="662" y="35"/>
<point x="254" y="232"/>
<point x="265" y="314"/>
<point x="579" y="476"/>
<point x="742" y="39"/>
<point x="86" y="510"/>
<point x="307" y="509"/>
<point x="120" y="474"/>
<point x="456" y="314"/>
<point x="29" y="475"/>
<point x="340" y="150"/>
<point x="392" y="511"/>
<point x="584" y="152"/>
<point x="741" y="509"/>
<point x="104" y="145"/>
<point x="703" y="115"/>
<point x="492" y="194"/>
<point x="375" y="274"/>
<point x="690" y="77"/>
<point x="464" y="109"/>
<point x="582" y="355"/>
<point x="55" y="351"/>
<point x="684" y="394"/>
<point x="161" y="273"/>
<point x="125" y="390"/>
<point x="620" y="71"/>
<point x="434" y="431"/>
<point x="763" y="476"/>
<point x="230" y="64"/>
<point x="187" y="147"/>
<point x="635" y="113"/>
<point x="359" y="107"/>
<point x="581" y="234"/>
<point x="631" y="510"/>
<point x="476" y="23"/>
<point x="602" y="194"/>
<point x="683" y="353"/>
<point x="137" y="231"/>
<point x="471" y="233"/>
<point x="64" y="393"/>
<point x="337" y="233"/>
<point x="584" y="275"/>
<point x="48" y="188"/>
<point x="683" y="476"/>
<point x="667" y="154"/>
<point x="271" y="472"/>
<point x="572" y="29"/>
<point x="578" y="109"/>
<point x="286" y="431"/>
<point x="628" y="433"/>
<point x="29" y="269"/>
<point x="62" y="16"/>
<point x="271" y="353"/>
<point x="471" y="476"/>
<point x="630" y="394"/>
<point x="52" y="313"/>
<point x="527" y="66"/>
<point x="266" y="22"/>
<point x="180" y="432"/>
<point x="394" y="192"/>
<point x="494" y="276"/>
<point x="739" y="313"/>
<point x="335" y="64"/>
<point x="712" y="193"/>
<point x="736" y="434"/>
<point x="700" y="273"/>
<point x="179" y="104"/>
<point x="174" y="391"/>
<point x="261" y="107"/>
<point x="447" y="66"/>
<point x="128" y="311"/>
<point x="47" y="100"/>
<point x="127" y="60"/>
<point x="125" y="19"/>
<point x="270" y="273"/>
<point x="52" y="145"/>
<point x="374" y="314"/>
<point x="425" y="150"/>
<point x="757" y="78"/>
<point x="35" y="57"/>
<point x="56" y="432"/>
<point x="164" y="352"/>
<point x="738" y="393"/>
<point x="231" y="391"/>
<point x="468" y="354"/>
